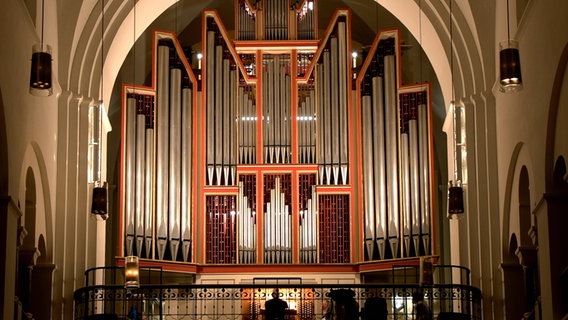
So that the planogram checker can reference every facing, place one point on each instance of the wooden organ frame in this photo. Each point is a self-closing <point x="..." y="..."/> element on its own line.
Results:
<point x="198" y="259"/>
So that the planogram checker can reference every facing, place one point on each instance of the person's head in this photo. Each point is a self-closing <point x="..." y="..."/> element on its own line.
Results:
<point x="275" y="294"/>
<point x="324" y="305"/>
<point x="417" y="296"/>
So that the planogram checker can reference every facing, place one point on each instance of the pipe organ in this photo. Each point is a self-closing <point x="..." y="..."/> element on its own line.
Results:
<point x="252" y="163"/>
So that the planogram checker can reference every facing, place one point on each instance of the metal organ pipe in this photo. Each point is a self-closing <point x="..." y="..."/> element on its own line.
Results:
<point x="210" y="104"/>
<point x="218" y="113"/>
<point x="368" y="183"/>
<point x="174" y="161"/>
<point x="327" y="115"/>
<point x="425" y="177"/>
<point x="130" y="149"/>
<point x="414" y="181"/>
<point x="162" y="106"/>
<point x="335" y="110"/>
<point x="343" y="103"/>
<point x="186" y="170"/>
<point x="149" y="192"/>
<point x="140" y="153"/>
<point x="225" y="124"/>
<point x="320" y="124"/>
<point x="405" y="177"/>
<point x="391" y="150"/>
<point x="379" y="168"/>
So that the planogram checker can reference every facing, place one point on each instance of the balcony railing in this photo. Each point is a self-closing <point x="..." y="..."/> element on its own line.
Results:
<point x="247" y="302"/>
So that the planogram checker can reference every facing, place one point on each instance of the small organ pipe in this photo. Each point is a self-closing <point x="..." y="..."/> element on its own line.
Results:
<point x="186" y="170"/>
<point x="130" y="149"/>
<point x="174" y="161"/>
<point x="162" y="110"/>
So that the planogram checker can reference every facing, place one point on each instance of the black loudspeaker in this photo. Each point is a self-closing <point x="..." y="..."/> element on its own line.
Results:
<point x="99" y="205"/>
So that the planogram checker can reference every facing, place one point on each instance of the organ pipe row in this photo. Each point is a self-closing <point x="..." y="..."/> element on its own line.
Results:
<point x="276" y="109"/>
<point x="277" y="223"/>
<point x="246" y="21"/>
<point x="275" y="19"/>
<point x="332" y="90"/>
<point x="221" y="85"/>
<point x="247" y="126"/>
<point x="395" y="158"/>
<point x="306" y="123"/>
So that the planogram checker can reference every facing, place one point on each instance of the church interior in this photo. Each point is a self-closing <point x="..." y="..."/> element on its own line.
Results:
<point x="333" y="159"/>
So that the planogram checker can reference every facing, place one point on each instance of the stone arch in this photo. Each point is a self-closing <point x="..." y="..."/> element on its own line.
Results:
<point x="519" y="173"/>
<point x="556" y="137"/>
<point x="34" y="162"/>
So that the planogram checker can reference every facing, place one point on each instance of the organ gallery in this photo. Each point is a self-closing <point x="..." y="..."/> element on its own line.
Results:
<point x="276" y="148"/>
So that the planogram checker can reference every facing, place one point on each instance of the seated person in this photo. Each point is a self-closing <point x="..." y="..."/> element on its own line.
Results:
<point x="275" y="307"/>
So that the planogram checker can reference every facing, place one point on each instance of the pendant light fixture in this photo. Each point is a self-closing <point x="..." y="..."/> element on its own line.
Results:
<point x="40" y="76"/>
<point x="99" y="206"/>
<point x="455" y="191"/>
<point x="510" y="78"/>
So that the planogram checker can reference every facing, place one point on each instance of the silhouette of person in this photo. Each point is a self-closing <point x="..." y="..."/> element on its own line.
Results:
<point x="275" y="307"/>
<point x="375" y="309"/>
<point x="421" y="309"/>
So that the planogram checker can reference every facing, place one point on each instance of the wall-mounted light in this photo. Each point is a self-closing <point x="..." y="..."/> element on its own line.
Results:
<point x="41" y="73"/>
<point x="455" y="200"/>
<point x="199" y="57"/>
<point x="99" y="204"/>
<point x="510" y="78"/>
<point x="131" y="272"/>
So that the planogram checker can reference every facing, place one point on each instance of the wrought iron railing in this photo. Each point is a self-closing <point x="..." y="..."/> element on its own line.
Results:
<point x="246" y="302"/>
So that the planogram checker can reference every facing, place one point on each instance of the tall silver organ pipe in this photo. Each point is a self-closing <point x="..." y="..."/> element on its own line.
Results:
<point x="130" y="163"/>
<point x="391" y="122"/>
<point x="140" y="177"/>
<point x="210" y="104"/>
<point x="217" y="139"/>
<point x="414" y="181"/>
<point x="379" y="169"/>
<point x="247" y="127"/>
<point x="186" y="170"/>
<point x="425" y="177"/>
<point x="174" y="161"/>
<point x="368" y="176"/>
<point x="162" y="168"/>
<point x="405" y="188"/>
<point x="333" y="96"/>
<point x="149" y="192"/>
<point x="344" y="95"/>
<point x="320" y="119"/>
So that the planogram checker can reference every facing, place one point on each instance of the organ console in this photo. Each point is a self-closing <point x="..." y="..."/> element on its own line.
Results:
<point x="274" y="156"/>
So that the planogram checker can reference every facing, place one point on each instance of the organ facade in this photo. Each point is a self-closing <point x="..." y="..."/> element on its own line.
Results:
<point x="276" y="150"/>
